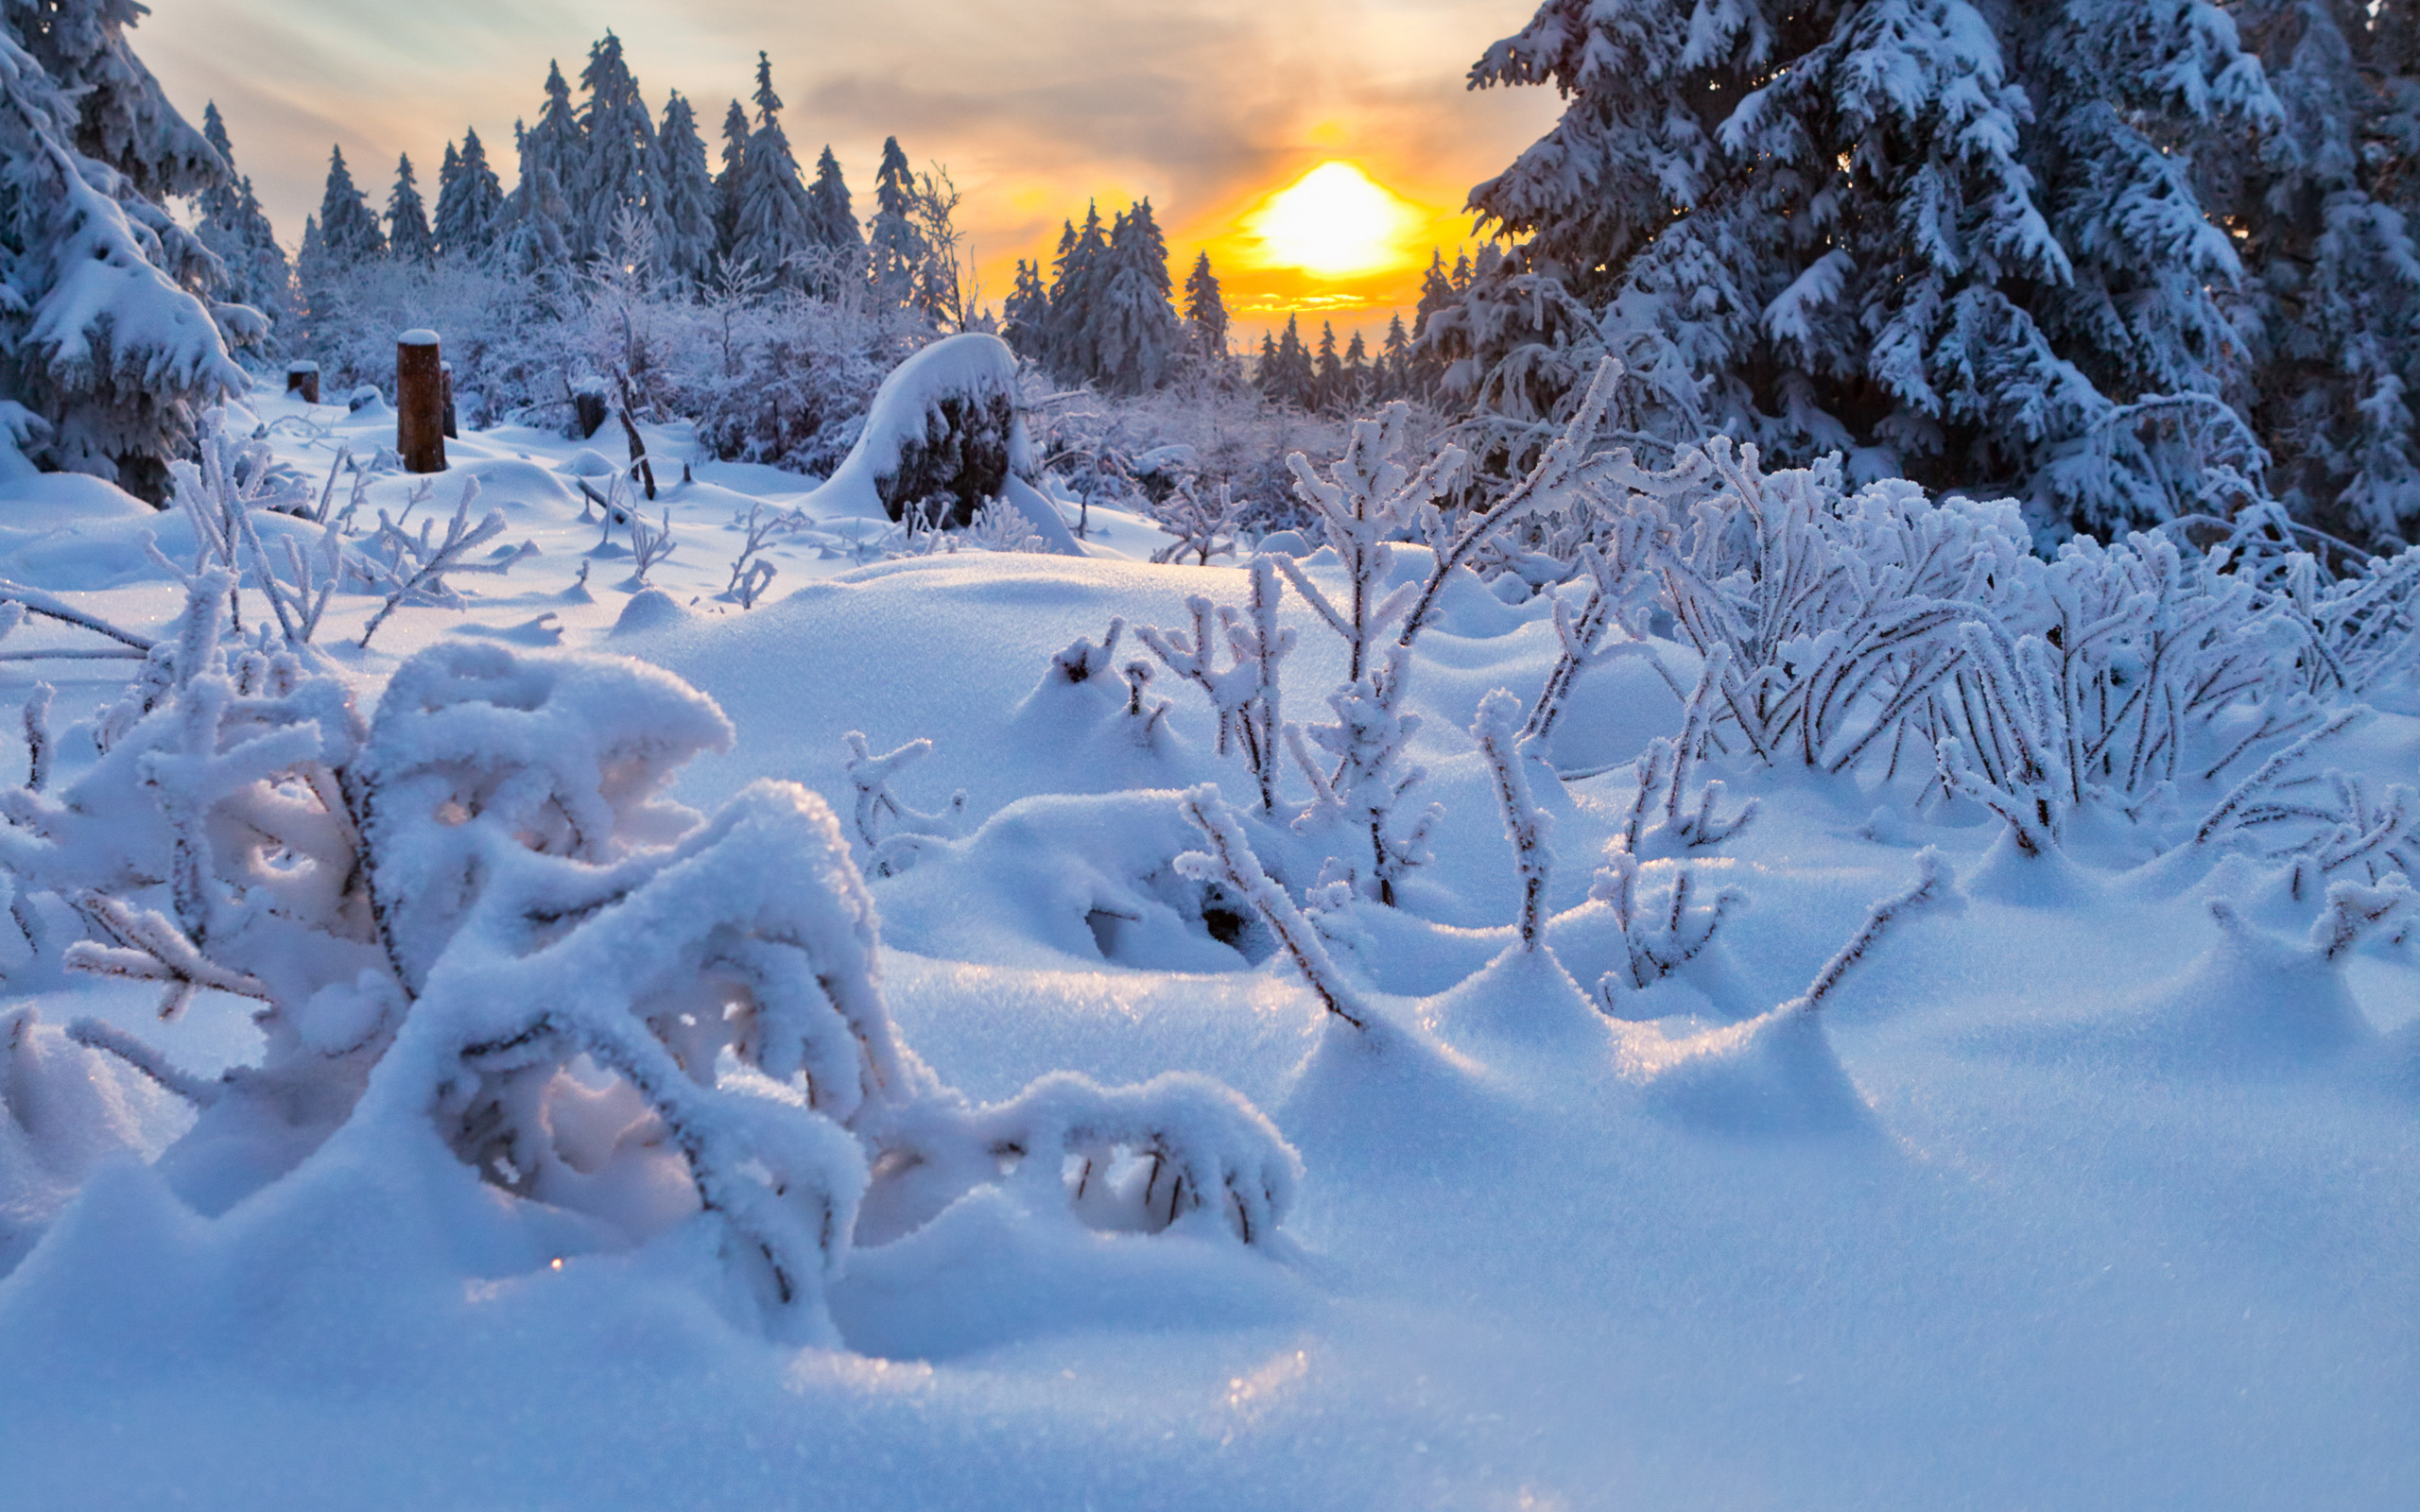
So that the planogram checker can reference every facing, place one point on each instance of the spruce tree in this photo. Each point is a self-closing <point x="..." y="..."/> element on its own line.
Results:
<point x="832" y="225"/>
<point x="1025" y="315"/>
<point x="1134" y="335"/>
<point x="1078" y="277"/>
<point x="617" y="144"/>
<point x="732" y="182"/>
<point x="106" y="356"/>
<point x="2326" y="223"/>
<point x="773" y="226"/>
<point x="409" y="238"/>
<point x="470" y="203"/>
<point x="1327" y="373"/>
<point x="348" y="230"/>
<point x="683" y="196"/>
<point x="1286" y="374"/>
<point x="1264" y="370"/>
<point x="232" y="225"/>
<point x="1205" y="309"/>
<point x="1971" y="243"/>
<point x="1357" y="388"/>
<point x="1394" y="361"/>
<point x="552" y="153"/>
<point x="895" y="248"/>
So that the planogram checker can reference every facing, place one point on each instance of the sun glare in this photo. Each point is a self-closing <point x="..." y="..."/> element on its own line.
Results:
<point x="1333" y="221"/>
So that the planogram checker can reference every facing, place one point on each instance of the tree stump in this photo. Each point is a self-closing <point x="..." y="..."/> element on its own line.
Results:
<point x="303" y="381"/>
<point x="420" y="403"/>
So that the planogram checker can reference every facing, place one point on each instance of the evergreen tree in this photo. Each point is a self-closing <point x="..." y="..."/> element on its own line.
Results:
<point x="106" y="356"/>
<point x="1286" y="376"/>
<point x="1358" y="387"/>
<point x="2325" y="221"/>
<point x="232" y="225"/>
<point x="469" y="202"/>
<point x="617" y="144"/>
<point x="732" y="182"/>
<point x="1205" y="309"/>
<point x="1963" y="242"/>
<point x="1077" y="275"/>
<point x="1025" y="315"/>
<point x="552" y="154"/>
<point x="1135" y="335"/>
<point x="1264" y="371"/>
<point x="348" y="230"/>
<point x="1327" y="373"/>
<point x="1394" y="361"/>
<point x="832" y="224"/>
<point x="773" y="225"/>
<point x="409" y="238"/>
<point x="683" y="196"/>
<point x="895" y="248"/>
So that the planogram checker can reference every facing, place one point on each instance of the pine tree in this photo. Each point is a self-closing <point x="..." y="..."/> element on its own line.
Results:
<point x="106" y="356"/>
<point x="618" y="147"/>
<point x="232" y="225"/>
<point x="408" y="239"/>
<point x="1205" y="309"/>
<point x="1264" y="371"/>
<point x="470" y="203"/>
<point x="732" y="182"/>
<point x="1357" y="389"/>
<point x="773" y="225"/>
<point x="348" y="230"/>
<point x="1327" y="373"/>
<point x="1025" y="315"/>
<point x="895" y="248"/>
<point x="683" y="196"/>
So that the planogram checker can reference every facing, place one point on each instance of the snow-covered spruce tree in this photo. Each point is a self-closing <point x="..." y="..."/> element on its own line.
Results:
<point x="730" y="179"/>
<point x="348" y="230"/>
<point x="1285" y="375"/>
<point x="2324" y="221"/>
<point x="409" y="238"/>
<point x="774" y="224"/>
<point x="1078" y="275"/>
<point x="1962" y="244"/>
<point x="1134" y="337"/>
<point x="895" y="247"/>
<point x="539" y="212"/>
<point x="618" y="160"/>
<point x="231" y="224"/>
<point x="106" y="353"/>
<point x="682" y="193"/>
<point x="1206" y="310"/>
<point x="475" y="927"/>
<point x="470" y="205"/>
<point x="1025" y="315"/>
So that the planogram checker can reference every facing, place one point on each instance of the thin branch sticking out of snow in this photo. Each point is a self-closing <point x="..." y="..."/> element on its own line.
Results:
<point x="1230" y="862"/>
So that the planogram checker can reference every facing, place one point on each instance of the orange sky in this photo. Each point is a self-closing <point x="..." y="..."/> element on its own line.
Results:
<point x="1206" y="105"/>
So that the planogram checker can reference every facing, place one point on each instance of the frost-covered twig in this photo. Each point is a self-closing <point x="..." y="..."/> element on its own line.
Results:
<point x="415" y="568"/>
<point x="751" y="575"/>
<point x="1230" y="862"/>
<point x="2269" y="773"/>
<point x="879" y="809"/>
<point x="51" y="607"/>
<point x="1932" y="886"/>
<point x="110" y="1040"/>
<point x="1497" y="730"/>
<point x="146" y="947"/>
<point x="649" y="544"/>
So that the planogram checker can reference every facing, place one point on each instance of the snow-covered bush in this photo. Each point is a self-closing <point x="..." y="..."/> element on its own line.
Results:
<point x="475" y="918"/>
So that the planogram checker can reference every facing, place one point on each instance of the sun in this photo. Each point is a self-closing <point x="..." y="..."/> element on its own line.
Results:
<point x="1335" y="221"/>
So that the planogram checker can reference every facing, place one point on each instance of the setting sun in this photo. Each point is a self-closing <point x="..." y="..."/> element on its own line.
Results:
<point x="1333" y="221"/>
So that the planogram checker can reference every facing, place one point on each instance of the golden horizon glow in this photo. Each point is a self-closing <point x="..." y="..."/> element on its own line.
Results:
<point x="1333" y="222"/>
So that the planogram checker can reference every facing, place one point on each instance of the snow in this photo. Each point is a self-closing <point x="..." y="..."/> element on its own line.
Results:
<point x="2087" y="1185"/>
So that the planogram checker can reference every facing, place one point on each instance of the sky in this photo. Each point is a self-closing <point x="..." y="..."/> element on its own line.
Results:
<point x="1208" y="107"/>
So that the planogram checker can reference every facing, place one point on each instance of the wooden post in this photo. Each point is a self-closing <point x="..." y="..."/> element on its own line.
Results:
<point x="303" y="381"/>
<point x="420" y="403"/>
<point x="445" y="371"/>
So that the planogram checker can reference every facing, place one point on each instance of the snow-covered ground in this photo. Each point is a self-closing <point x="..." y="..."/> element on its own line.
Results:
<point x="2069" y="1198"/>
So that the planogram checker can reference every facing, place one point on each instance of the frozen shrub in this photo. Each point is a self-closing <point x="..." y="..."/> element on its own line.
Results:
<point x="478" y="915"/>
